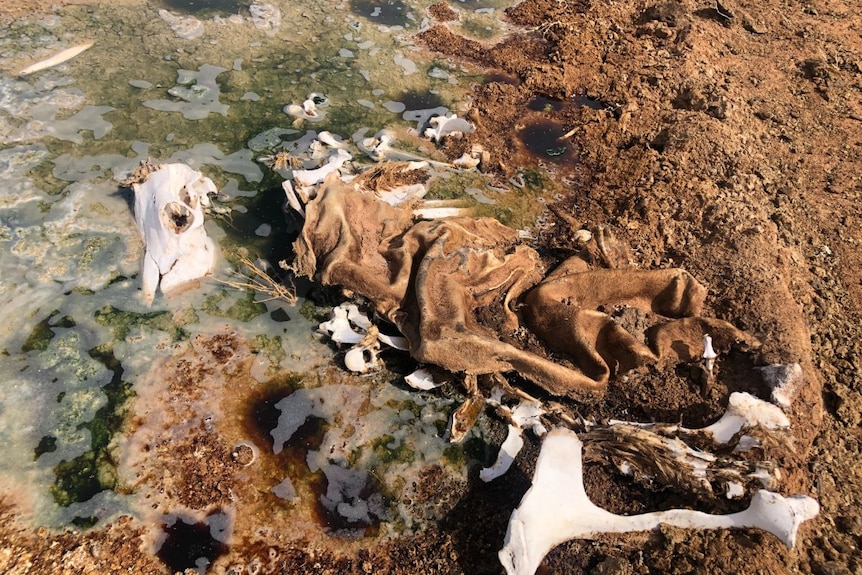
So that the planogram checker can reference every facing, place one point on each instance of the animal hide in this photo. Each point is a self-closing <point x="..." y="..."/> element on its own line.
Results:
<point x="463" y="291"/>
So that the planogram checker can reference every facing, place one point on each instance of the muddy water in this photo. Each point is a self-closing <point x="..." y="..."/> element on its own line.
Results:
<point x="205" y="83"/>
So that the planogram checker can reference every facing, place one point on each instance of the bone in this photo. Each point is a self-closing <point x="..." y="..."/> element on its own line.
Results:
<point x="362" y="358"/>
<point x="366" y="342"/>
<point x="745" y="410"/>
<point x="421" y="379"/>
<point x="169" y="213"/>
<point x="447" y="125"/>
<point x="339" y="328"/>
<point x="309" y="109"/>
<point x="316" y="176"/>
<point x="378" y="148"/>
<point x="506" y="456"/>
<point x="525" y="415"/>
<point x="709" y="356"/>
<point x="556" y="509"/>
<point x="56" y="59"/>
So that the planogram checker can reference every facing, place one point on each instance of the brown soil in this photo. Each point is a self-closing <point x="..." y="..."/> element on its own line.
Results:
<point x="442" y="12"/>
<point x="721" y="138"/>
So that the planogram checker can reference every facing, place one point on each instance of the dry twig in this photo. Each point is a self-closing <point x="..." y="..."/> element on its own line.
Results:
<point x="261" y="282"/>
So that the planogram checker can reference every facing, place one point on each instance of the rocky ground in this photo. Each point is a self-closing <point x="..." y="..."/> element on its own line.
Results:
<point x="724" y="138"/>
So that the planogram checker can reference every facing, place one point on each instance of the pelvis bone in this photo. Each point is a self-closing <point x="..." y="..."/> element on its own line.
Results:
<point x="169" y="203"/>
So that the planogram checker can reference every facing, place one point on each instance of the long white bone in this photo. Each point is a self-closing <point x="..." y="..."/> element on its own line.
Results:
<point x="56" y="59"/>
<point x="317" y="175"/>
<point x="743" y="410"/>
<point x="556" y="509"/>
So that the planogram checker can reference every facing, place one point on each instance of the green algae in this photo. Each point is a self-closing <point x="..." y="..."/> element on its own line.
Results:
<point x="243" y="308"/>
<point x="270" y="347"/>
<point x="454" y="186"/>
<point x="48" y="444"/>
<point x="42" y="334"/>
<point x="80" y="478"/>
<point x="471" y="450"/>
<point x="387" y="449"/>
<point x="121" y="322"/>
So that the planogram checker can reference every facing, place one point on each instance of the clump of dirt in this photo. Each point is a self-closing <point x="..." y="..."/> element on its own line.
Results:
<point x="442" y="12"/>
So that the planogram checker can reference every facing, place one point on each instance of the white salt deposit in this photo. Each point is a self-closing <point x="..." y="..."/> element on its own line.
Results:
<point x="15" y="187"/>
<point x="394" y="107"/>
<point x="357" y="418"/>
<point x="198" y="91"/>
<point x="285" y="489"/>
<point x="185" y="27"/>
<point x="408" y="65"/>
<point x="265" y="17"/>
<point x="269" y="139"/>
<point x="33" y="111"/>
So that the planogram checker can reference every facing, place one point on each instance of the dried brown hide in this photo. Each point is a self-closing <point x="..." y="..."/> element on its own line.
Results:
<point x="460" y="288"/>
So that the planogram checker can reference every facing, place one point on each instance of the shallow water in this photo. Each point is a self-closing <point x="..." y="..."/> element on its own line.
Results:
<point x="204" y="83"/>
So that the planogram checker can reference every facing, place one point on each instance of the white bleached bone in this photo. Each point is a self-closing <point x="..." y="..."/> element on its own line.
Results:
<point x="466" y="161"/>
<point x="292" y="197"/>
<point x="169" y="213"/>
<point x="434" y="209"/>
<point x="394" y="341"/>
<point x="506" y="456"/>
<point x="56" y="59"/>
<point x="556" y="509"/>
<point x="378" y="148"/>
<point x="709" y="356"/>
<point x="745" y="410"/>
<point x="339" y="328"/>
<point x="362" y="358"/>
<point x="447" y="125"/>
<point x="525" y="415"/>
<point x="421" y="379"/>
<point x="316" y="176"/>
<point x="435" y="213"/>
<point x="400" y="195"/>
<point x="309" y="109"/>
<point x="356" y="317"/>
<point x="331" y="140"/>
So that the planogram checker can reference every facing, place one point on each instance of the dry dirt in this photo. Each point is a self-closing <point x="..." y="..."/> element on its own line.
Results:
<point x="724" y="138"/>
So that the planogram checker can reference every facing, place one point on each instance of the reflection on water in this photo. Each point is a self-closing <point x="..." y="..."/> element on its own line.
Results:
<point x="388" y="12"/>
<point x="205" y="7"/>
<point x="204" y="83"/>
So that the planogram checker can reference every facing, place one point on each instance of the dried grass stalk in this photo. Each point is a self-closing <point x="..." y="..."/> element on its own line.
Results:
<point x="258" y="280"/>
